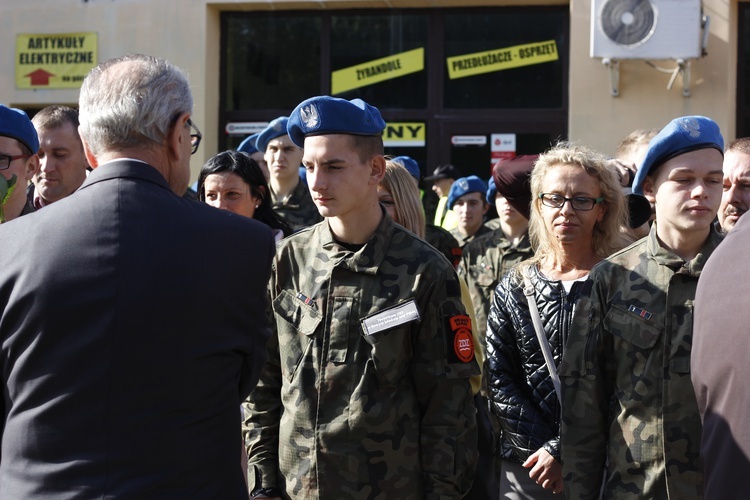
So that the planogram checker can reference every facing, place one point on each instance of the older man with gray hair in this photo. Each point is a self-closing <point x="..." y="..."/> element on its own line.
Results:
<point x="123" y="369"/>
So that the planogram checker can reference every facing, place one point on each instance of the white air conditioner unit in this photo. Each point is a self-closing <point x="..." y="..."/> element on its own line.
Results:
<point x="646" y="29"/>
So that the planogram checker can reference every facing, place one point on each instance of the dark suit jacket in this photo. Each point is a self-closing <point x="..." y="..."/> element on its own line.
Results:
<point x="133" y="324"/>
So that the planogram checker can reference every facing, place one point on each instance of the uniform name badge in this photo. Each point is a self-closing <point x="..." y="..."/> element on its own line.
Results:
<point x="391" y="317"/>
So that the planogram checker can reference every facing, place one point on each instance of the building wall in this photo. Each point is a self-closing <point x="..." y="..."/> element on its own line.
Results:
<point x="187" y="32"/>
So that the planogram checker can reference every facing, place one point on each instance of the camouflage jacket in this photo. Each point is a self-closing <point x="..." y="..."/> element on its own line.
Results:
<point x="628" y="402"/>
<point x="359" y="398"/>
<point x="464" y="240"/>
<point x="484" y="262"/>
<point x="298" y="209"/>
<point x="444" y="242"/>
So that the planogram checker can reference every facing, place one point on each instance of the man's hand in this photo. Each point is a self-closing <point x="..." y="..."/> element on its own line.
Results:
<point x="545" y="470"/>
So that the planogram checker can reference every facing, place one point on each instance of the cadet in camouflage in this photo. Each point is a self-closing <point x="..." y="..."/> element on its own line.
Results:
<point x="366" y="390"/>
<point x="297" y="209"/>
<point x="487" y="258"/>
<point x="290" y="198"/>
<point x="630" y="418"/>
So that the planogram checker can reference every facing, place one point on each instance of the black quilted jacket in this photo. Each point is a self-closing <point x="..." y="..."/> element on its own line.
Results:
<point x="521" y="392"/>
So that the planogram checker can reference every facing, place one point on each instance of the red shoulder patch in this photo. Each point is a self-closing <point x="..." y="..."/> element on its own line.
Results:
<point x="463" y="340"/>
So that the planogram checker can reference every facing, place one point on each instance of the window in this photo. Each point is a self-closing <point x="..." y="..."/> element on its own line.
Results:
<point x="270" y="61"/>
<point x="536" y="85"/>
<point x="357" y="39"/>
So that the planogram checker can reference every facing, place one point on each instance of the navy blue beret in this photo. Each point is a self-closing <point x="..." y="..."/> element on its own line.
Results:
<point x="275" y="129"/>
<point x="410" y="164"/>
<point x="465" y="185"/>
<point x="491" y="191"/>
<point x="15" y="123"/>
<point x="248" y="145"/>
<point x="682" y="135"/>
<point x="324" y="115"/>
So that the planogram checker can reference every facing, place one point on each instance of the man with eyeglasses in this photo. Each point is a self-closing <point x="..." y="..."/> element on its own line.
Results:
<point x="123" y="373"/>
<point x="18" y="146"/>
<point x="631" y="426"/>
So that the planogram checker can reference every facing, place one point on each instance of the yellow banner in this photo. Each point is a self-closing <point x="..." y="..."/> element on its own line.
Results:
<point x="500" y="59"/>
<point x="404" y="134"/>
<point x="376" y="71"/>
<point x="54" y="61"/>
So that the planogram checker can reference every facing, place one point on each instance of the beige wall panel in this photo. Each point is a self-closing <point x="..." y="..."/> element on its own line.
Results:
<point x="600" y="120"/>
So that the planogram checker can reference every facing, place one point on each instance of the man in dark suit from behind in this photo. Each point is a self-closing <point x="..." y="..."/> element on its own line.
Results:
<point x="133" y="320"/>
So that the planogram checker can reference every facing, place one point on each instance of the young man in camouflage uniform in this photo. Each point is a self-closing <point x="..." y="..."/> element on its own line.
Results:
<point x="289" y="195"/>
<point x="487" y="258"/>
<point x="630" y="417"/>
<point x="366" y="391"/>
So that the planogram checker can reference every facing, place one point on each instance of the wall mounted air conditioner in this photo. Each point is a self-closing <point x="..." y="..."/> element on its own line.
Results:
<point x="646" y="29"/>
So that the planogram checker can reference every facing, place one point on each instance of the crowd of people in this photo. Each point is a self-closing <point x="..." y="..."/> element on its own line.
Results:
<point x="300" y="306"/>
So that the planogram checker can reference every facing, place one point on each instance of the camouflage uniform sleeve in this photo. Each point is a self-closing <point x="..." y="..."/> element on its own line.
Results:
<point x="262" y="410"/>
<point x="585" y="401"/>
<point x="448" y="432"/>
<point x="508" y="400"/>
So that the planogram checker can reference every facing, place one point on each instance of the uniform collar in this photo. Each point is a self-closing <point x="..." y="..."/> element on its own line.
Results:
<point x="367" y="259"/>
<point x="666" y="258"/>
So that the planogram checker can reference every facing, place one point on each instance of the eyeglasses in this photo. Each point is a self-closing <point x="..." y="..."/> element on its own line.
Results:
<point x="582" y="203"/>
<point x="195" y="139"/>
<point x="6" y="159"/>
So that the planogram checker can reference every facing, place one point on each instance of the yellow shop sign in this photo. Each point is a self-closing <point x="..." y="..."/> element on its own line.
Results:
<point x="376" y="71"/>
<point x="404" y="134"/>
<point x="59" y="61"/>
<point x="501" y="59"/>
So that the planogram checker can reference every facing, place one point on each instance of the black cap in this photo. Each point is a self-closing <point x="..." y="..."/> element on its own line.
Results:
<point x="446" y="171"/>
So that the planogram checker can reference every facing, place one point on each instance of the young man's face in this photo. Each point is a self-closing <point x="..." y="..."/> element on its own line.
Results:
<point x="283" y="158"/>
<point x="470" y="209"/>
<point x="686" y="191"/>
<point x="340" y="183"/>
<point x="736" y="198"/>
<point x="63" y="165"/>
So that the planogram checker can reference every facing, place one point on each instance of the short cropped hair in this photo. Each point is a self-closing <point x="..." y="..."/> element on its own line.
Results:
<point x="53" y="117"/>
<point x="741" y="145"/>
<point x="634" y="139"/>
<point x="132" y="101"/>
<point x="609" y="234"/>
<point x="367" y="146"/>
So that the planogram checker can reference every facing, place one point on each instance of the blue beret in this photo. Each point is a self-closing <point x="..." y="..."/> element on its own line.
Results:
<point x="275" y="129"/>
<point x="680" y="136"/>
<point x="465" y="185"/>
<point x="248" y="145"/>
<point x="324" y="115"/>
<point x="491" y="191"/>
<point x="410" y="164"/>
<point x="15" y="123"/>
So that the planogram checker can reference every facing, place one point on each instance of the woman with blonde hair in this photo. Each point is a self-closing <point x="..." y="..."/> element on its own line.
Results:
<point x="399" y="194"/>
<point x="578" y="213"/>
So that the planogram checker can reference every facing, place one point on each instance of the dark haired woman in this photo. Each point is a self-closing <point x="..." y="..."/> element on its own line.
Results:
<point x="233" y="181"/>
